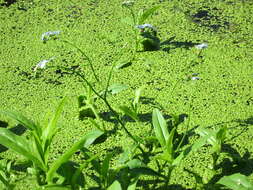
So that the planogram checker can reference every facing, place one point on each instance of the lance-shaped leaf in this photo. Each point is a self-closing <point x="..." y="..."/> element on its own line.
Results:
<point x="22" y="120"/>
<point x="236" y="182"/>
<point x="105" y="167"/>
<point x="51" y="129"/>
<point x="160" y="127"/>
<point x="115" y="186"/>
<point x="85" y="141"/>
<point x="127" y="111"/>
<point x="147" y="13"/>
<point x="20" y="145"/>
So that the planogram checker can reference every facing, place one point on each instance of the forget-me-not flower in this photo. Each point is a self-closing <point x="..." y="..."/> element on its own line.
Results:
<point x="42" y="64"/>
<point x="46" y="35"/>
<point x="128" y="3"/>
<point x="195" y="78"/>
<point x="201" y="46"/>
<point x="143" y="26"/>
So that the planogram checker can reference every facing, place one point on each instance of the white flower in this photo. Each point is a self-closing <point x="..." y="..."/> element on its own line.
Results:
<point x="195" y="78"/>
<point x="46" y="35"/>
<point x="201" y="46"/>
<point x="128" y="3"/>
<point x="42" y="64"/>
<point x="143" y="26"/>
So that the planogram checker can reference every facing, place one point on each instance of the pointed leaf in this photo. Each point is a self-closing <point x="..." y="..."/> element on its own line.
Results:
<point x="147" y="13"/>
<point x="211" y="134"/>
<point x="20" y="145"/>
<point x="160" y="127"/>
<point x="50" y="130"/>
<point x="22" y="120"/>
<point x="85" y="141"/>
<point x="137" y="98"/>
<point x="132" y="185"/>
<point x="127" y="111"/>
<point x="115" y="186"/>
<point x="134" y="163"/>
<point x="116" y="88"/>
<point x="236" y="182"/>
<point x="169" y="144"/>
<point x="105" y="166"/>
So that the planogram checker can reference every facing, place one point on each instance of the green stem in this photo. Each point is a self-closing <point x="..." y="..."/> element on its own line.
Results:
<point x="111" y="109"/>
<point x="183" y="138"/>
<point x="87" y="58"/>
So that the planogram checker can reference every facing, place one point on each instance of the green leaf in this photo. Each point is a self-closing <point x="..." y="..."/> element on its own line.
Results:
<point x="105" y="166"/>
<point x="123" y="64"/>
<point x="132" y="185"/>
<point x="211" y="134"/>
<point x="221" y="134"/>
<point x="127" y="111"/>
<point x="147" y="13"/>
<point x="20" y="145"/>
<point x="115" y="186"/>
<point x="134" y="163"/>
<point x="199" y="143"/>
<point x="181" y="156"/>
<point x="22" y="120"/>
<point x="236" y="182"/>
<point x="116" y="88"/>
<point x="51" y="128"/>
<point x="169" y="145"/>
<point x="137" y="98"/>
<point x="160" y="127"/>
<point x="85" y="141"/>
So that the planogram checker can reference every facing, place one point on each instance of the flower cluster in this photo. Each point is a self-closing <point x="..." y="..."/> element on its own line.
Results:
<point x="46" y="35"/>
<point x="42" y="64"/>
<point x="128" y="3"/>
<point x="201" y="46"/>
<point x="143" y="26"/>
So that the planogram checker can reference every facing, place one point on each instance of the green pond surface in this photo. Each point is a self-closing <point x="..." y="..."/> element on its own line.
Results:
<point x="223" y="95"/>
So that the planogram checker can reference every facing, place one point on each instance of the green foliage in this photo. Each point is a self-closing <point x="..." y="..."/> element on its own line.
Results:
<point x="6" y="174"/>
<point x="236" y="182"/>
<point x="36" y="148"/>
<point x="215" y="138"/>
<point x="132" y="111"/>
<point x="144" y="15"/>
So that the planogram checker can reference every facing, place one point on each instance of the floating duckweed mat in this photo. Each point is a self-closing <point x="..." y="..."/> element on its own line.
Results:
<point x="213" y="86"/>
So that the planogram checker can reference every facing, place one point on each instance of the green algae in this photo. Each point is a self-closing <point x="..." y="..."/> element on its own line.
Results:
<point x="222" y="96"/>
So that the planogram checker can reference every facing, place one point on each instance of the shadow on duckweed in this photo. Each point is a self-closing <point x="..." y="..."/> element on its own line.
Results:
<point x="18" y="130"/>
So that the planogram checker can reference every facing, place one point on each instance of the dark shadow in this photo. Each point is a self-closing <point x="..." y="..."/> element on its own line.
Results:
<point x="151" y="102"/>
<point x="208" y="17"/>
<point x="8" y="3"/>
<point x="237" y="164"/>
<point x="169" y="44"/>
<point x="67" y="170"/>
<point x="22" y="167"/>
<point x="246" y="122"/>
<point x="3" y="124"/>
<point x="234" y="164"/>
<point x="18" y="130"/>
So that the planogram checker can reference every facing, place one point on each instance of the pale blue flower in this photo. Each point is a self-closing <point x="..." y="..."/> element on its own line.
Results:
<point x="128" y="3"/>
<point x="201" y="46"/>
<point x="42" y="64"/>
<point x="143" y="26"/>
<point x="195" y="78"/>
<point x="46" y="35"/>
